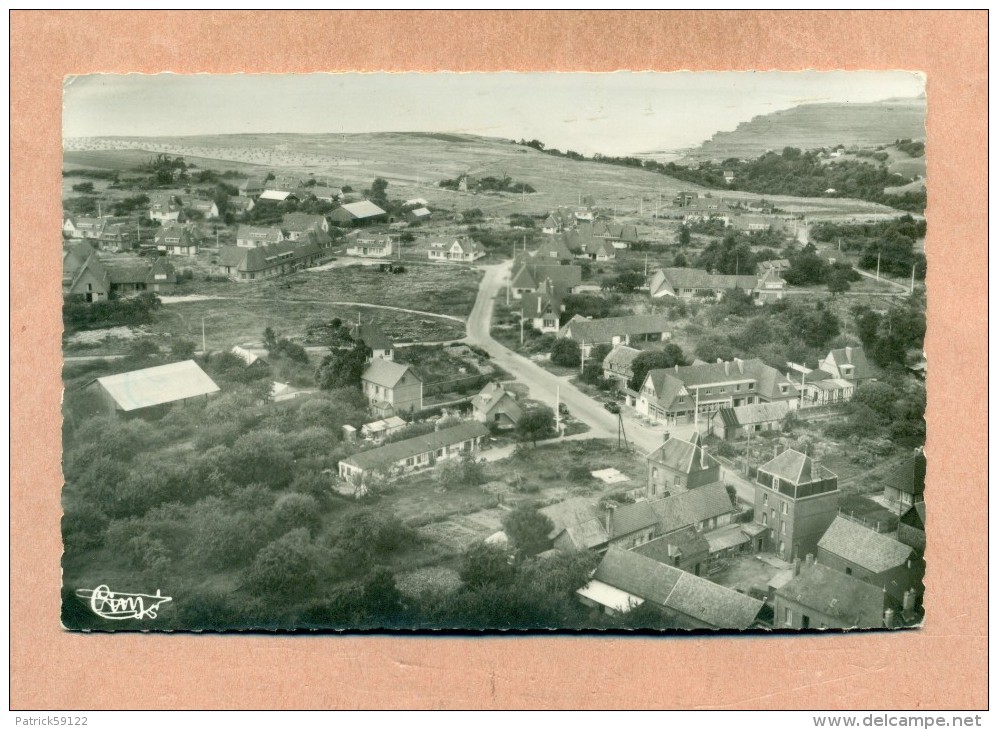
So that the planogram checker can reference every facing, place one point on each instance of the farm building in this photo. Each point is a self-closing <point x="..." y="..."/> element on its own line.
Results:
<point x="358" y="214"/>
<point x="143" y="391"/>
<point x="277" y="196"/>
<point x="418" y="215"/>
<point x="252" y="187"/>
<point x="247" y="356"/>
<point x="420" y="452"/>
<point x="264" y="262"/>
<point x="735" y="423"/>
<point x="391" y="388"/>
<point x="626" y="579"/>
<point x="615" y="331"/>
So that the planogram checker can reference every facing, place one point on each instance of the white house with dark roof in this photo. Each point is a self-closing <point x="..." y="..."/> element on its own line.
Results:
<point x="819" y="597"/>
<point x="256" y="236"/>
<point x="527" y="276"/>
<point x="677" y="466"/>
<point x="177" y="240"/>
<point x="687" y="283"/>
<point x="835" y="379"/>
<point x="742" y="421"/>
<point x="542" y="308"/>
<point x="496" y="406"/>
<point x="391" y="388"/>
<point x="626" y="579"/>
<point x="297" y="225"/>
<point x="382" y="346"/>
<point x="371" y="246"/>
<point x="618" y="365"/>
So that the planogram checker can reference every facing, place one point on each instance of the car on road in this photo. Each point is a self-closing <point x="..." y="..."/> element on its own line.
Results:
<point x="612" y="406"/>
<point x="562" y="409"/>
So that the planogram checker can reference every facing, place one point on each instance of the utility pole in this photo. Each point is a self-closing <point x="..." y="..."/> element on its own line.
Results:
<point x="557" y="409"/>
<point x="646" y="264"/>
<point x="912" y="289"/>
<point x="521" y="326"/>
<point x="878" y="265"/>
<point x="582" y="351"/>
<point x="204" y="342"/>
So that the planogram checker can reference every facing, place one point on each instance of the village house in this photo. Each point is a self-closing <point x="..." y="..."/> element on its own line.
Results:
<point x="391" y="388"/>
<point x="559" y="220"/>
<point x="360" y="213"/>
<point x="249" y="357"/>
<point x="421" y="452"/>
<point x="166" y="211"/>
<point x="297" y="225"/>
<point x="677" y="466"/>
<point x="586" y="246"/>
<point x="904" y="485"/>
<point x="749" y="223"/>
<point x="176" y="240"/>
<point x="626" y="579"/>
<point x="776" y="265"/>
<point x="264" y="262"/>
<point x="685" y="549"/>
<point x="151" y="389"/>
<point x="683" y="393"/>
<point x="619" y="234"/>
<point x="325" y="194"/>
<point x="371" y="246"/>
<point x="529" y="277"/>
<point x="818" y="597"/>
<point x="685" y="199"/>
<point x="496" y="406"/>
<point x="707" y="209"/>
<point x="542" y="308"/>
<point x="618" y="365"/>
<point x="86" y="276"/>
<point x="796" y="499"/>
<point x="615" y="331"/>
<point x="553" y="250"/>
<point x="580" y="523"/>
<point x="373" y="336"/>
<point x="109" y="233"/>
<point x="835" y="379"/>
<point x="875" y="557"/>
<point x="687" y="283"/>
<point x="255" y="237"/>
<point x="252" y="187"/>
<point x="240" y="204"/>
<point x="207" y="208"/>
<point x="739" y="422"/>
<point x="458" y="249"/>
<point x="378" y="431"/>
<point x="729" y="177"/>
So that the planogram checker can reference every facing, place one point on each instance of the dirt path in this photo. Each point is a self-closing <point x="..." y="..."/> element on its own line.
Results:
<point x="202" y="297"/>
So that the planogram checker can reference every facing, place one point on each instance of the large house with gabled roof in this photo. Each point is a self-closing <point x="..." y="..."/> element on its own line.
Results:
<point x="256" y="236"/>
<point x="391" y="388"/>
<point x="836" y="377"/>
<point x="542" y="308"/>
<point x="496" y="406"/>
<point x="552" y="250"/>
<point x="456" y="249"/>
<point x="819" y="597"/>
<point x="686" y="283"/>
<point x="613" y="331"/>
<point x="528" y="277"/>
<point x="678" y="466"/>
<point x="264" y="262"/>
<point x="177" y="240"/>
<point x="679" y="394"/>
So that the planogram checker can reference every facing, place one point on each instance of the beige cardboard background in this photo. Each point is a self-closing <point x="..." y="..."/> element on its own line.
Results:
<point x="944" y="665"/>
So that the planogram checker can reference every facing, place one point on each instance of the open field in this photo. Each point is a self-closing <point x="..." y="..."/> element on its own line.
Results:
<point x="414" y="163"/>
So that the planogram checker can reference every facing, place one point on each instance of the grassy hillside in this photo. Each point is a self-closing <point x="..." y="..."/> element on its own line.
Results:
<point x="812" y="126"/>
<point x="413" y="163"/>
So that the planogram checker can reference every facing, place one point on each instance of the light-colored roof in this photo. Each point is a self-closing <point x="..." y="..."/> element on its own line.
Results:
<point x="275" y="195"/>
<point x="864" y="547"/>
<point x="492" y="395"/>
<point x="386" y="373"/>
<point x="726" y="537"/>
<point x="245" y="355"/>
<point x="620" y="358"/>
<point x="362" y="209"/>
<point x="607" y="595"/>
<point x="157" y="385"/>
<point x="755" y="413"/>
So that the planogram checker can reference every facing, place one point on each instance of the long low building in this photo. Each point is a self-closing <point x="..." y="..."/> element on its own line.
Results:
<point x="420" y="452"/>
<point x="615" y="331"/>
<point x="151" y="388"/>
<point x="265" y="262"/>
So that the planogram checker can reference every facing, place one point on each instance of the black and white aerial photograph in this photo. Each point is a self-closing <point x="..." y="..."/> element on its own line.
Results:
<point x="494" y="351"/>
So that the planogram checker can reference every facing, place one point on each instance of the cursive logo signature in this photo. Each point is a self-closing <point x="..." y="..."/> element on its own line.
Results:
<point x="119" y="606"/>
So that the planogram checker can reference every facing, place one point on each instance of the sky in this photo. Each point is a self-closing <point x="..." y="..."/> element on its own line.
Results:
<point x="614" y="113"/>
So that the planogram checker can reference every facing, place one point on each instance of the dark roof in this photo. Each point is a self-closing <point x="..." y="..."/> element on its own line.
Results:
<point x="257" y="233"/>
<point x="386" y="373"/>
<point x="692" y="507"/>
<point x="620" y="357"/>
<point x="856" y="357"/>
<point x="580" y="517"/>
<point x="300" y="222"/>
<point x="372" y="335"/>
<point x="628" y="518"/>
<point x="850" y="600"/>
<point x="754" y="413"/>
<point x="552" y="248"/>
<point x="685" y="457"/>
<point x="679" y="544"/>
<point x="530" y="276"/>
<point x="864" y="547"/>
<point x="909" y="475"/>
<point x="265" y="257"/>
<point x="595" y="331"/>
<point x="797" y="468"/>
<point x="674" y="589"/>
<point x="395" y="452"/>
<point x="492" y="395"/>
<point x="668" y="382"/>
<point x="684" y="278"/>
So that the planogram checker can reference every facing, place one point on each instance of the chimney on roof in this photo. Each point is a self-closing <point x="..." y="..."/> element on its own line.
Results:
<point x="740" y="363"/>
<point x="727" y="366"/>
<point x="848" y="354"/>
<point x="703" y="457"/>
<point x="677" y="367"/>
<point x="665" y="436"/>
<point x="796" y="566"/>
<point x="610" y="508"/>
<point x="719" y="361"/>
<point x="889" y="618"/>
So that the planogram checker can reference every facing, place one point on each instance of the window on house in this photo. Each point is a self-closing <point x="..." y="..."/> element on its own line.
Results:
<point x="765" y="500"/>
<point x="410" y="461"/>
<point x="788" y="616"/>
<point x="783" y="548"/>
<point x="848" y="571"/>
<point x="784" y="509"/>
<point x="654" y="472"/>
<point x="677" y="482"/>
<point x="440" y="452"/>
<point x="783" y="528"/>
<point x="765" y="520"/>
